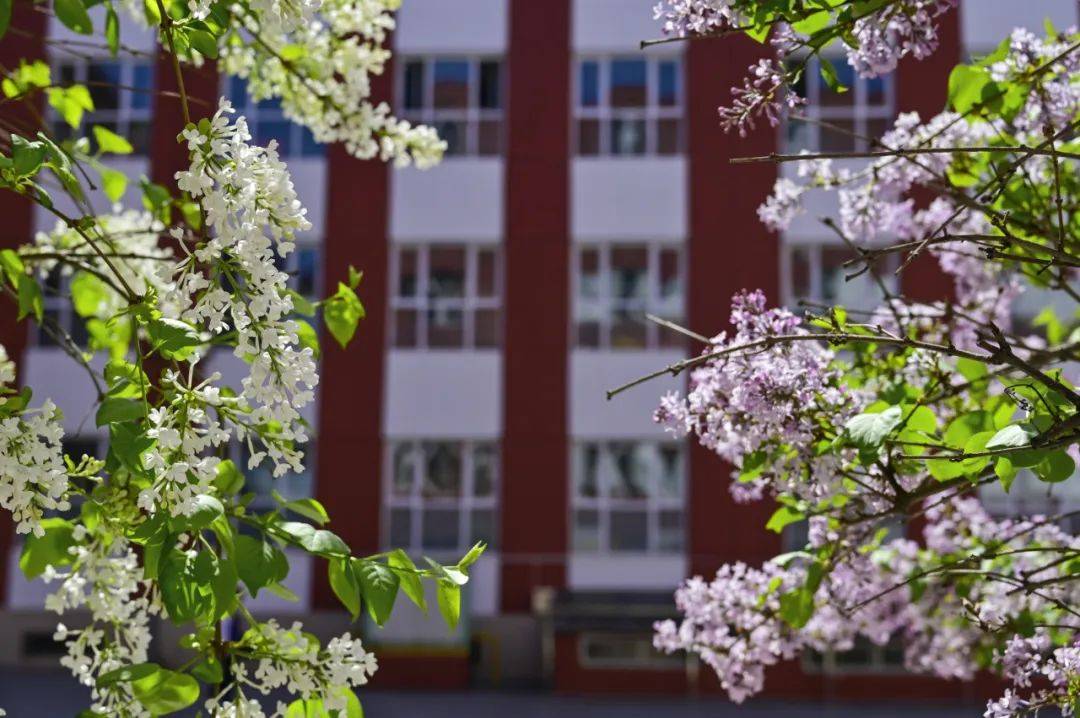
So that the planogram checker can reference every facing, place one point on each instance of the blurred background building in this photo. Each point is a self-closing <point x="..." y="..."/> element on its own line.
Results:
<point x="587" y="183"/>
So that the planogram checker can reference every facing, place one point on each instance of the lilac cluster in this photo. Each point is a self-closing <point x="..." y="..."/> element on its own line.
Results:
<point x="1056" y="103"/>
<point x="762" y="94"/>
<point x="683" y="18"/>
<point x="770" y="399"/>
<point x="897" y="30"/>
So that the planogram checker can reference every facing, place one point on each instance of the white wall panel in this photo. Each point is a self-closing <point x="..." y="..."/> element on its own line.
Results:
<point x="629" y="414"/>
<point x="985" y="23"/>
<point x="462" y="26"/>
<point x="132" y="35"/>
<point x="623" y="198"/>
<point x="443" y="394"/>
<point x="54" y="375"/>
<point x="309" y="178"/>
<point x="629" y="571"/>
<point x="616" y="26"/>
<point x="458" y="200"/>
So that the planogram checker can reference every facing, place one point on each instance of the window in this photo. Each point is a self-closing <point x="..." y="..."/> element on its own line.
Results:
<point x="461" y="97"/>
<point x="628" y="497"/>
<point x="840" y="121"/>
<point x="816" y="273"/>
<point x="126" y="112"/>
<point x="624" y="650"/>
<point x="263" y="484"/>
<point x="267" y="121"/>
<point x="629" y="106"/>
<point x="864" y="657"/>
<point x="446" y="297"/>
<point x="616" y="285"/>
<point x="441" y="495"/>
<point x="304" y="267"/>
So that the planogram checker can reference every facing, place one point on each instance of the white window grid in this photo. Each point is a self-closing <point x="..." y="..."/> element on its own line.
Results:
<point x="625" y="651"/>
<point x="422" y="303"/>
<point x="866" y="658"/>
<point x="861" y="292"/>
<point x="605" y="505"/>
<point x="860" y="112"/>
<point x="652" y="112"/>
<point x="135" y="104"/>
<point x="465" y="503"/>
<point x="301" y="143"/>
<point x="471" y="115"/>
<point x="605" y="304"/>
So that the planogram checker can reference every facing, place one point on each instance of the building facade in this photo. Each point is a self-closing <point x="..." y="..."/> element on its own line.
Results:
<point x="587" y="184"/>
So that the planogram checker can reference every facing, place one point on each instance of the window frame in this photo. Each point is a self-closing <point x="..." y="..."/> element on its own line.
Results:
<point x="604" y="505"/>
<point x="472" y="115"/>
<point x="649" y="660"/>
<point x="254" y="114"/>
<point x="885" y="267"/>
<point x="122" y="117"/>
<point x="859" y="112"/>
<point x="465" y="503"/>
<point x="469" y="303"/>
<point x="651" y="113"/>
<point x="609" y="305"/>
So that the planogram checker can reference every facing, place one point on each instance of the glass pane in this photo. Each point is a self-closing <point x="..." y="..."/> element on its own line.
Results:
<point x="630" y="475"/>
<point x="876" y="90"/>
<point x="446" y="327"/>
<point x="836" y="288"/>
<point x="414" y="85"/>
<point x="629" y="531"/>
<point x="485" y="273"/>
<point x="588" y="334"/>
<point x="274" y="130"/>
<point x="483" y="527"/>
<point x="671" y="286"/>
<point x="668" y="137"/>
<point x="77" y="447"/>
<point x="586" y="466"/>
<point x="309" y="147"/>
<point x="669" y="84"/>
<point x="442" y="470"/>
<point x="800" y="272"/>
<point x="139" y="135"/>
<point x="407" y="279"/>
<point x="400" y="528"/>
<point x="489" y="137"/>
<point x="627" y="137"/>
<point x="490" y="85"/>
<point x="307" y="271"/>
<point x="405" y="328"/>
<point x="486" y="328"/>
<point x="672" y="471"/>
<point x="446" y="273"/>
<point x="875" y="129"/>
<point x="839" y="136"/>
<point x="440" y="529"/>
<point x="453" y="133"/>
<point x="671" y="531"/>
<point x="629" y="329"/>
<point x="102" y="79"/>
<point x="143" y="79"/>
<point x="238" y="92"/>
<point x="404" y="469"/>
<point x="588" y="137"/>
<point x="589" y="276"/>
<point x="586" y="530"/>
<point x="628" y="83"/>
<point x="590" y="84"/>
<point x="484" y="468"/>
<point x="630" y="273"/>
<point x="451" y="83"/>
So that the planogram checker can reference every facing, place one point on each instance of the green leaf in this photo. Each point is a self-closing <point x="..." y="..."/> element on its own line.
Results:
<point x="342" y="313"/>
<point x="26" y="156"/>
<point x="127" y="674"/>
<point x="183" y="595"/>
<point x="173" y="338"/>
<point x="828" y="73"/>
<point x="209" y="671"/>
<point x="12" y="266"/>
<point x="379" y="584"/>
<point x="112" y="29"/>
<point x="49" y="549"/>
<point x="921" y="418"/>
<point x="308" y="508"/>
<point x="229" y="480"/>
<point x="346" y="585"/>
<point x="1005" y="471"/>
<point x="259" y="563"/>
<point x="782" y="517"/>
<point x="109" y="141"/>
<point x="31" y="301"/>
<point x="1056" y="467"/>
<point x="312" y="540"/>
<point x="204" y="42"/>
<point x="114" y="183"/>
<point x="967" y="87"/>
<point x="73" y="14"/>
<point x="472" y="556"/>
<point x="70" y="102"/>
<point x="971" y="369"/>
<point x="410" y="580"/>
<point x="797" y="607"/>
<point x="114" y="411"/>
<point x="89" y="294"/>
<point x="207" y="510"/>
<point x="309" y="338"/>
<point x="1011" y="436"/>
<point x="165" y="691"/>
<point x="449" y="597"/>
<point x="869" y="430"/>
<point x="301" y="303"/>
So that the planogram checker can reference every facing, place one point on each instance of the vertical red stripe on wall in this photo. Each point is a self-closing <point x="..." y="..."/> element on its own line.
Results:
<point x="534" y="448"/>
<point x="350" y="457"/>
<point x="729" y="251"/>
<point x="24" y="40"/>
<point x="202" y="87"/>
<point x="922" y="86"/>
